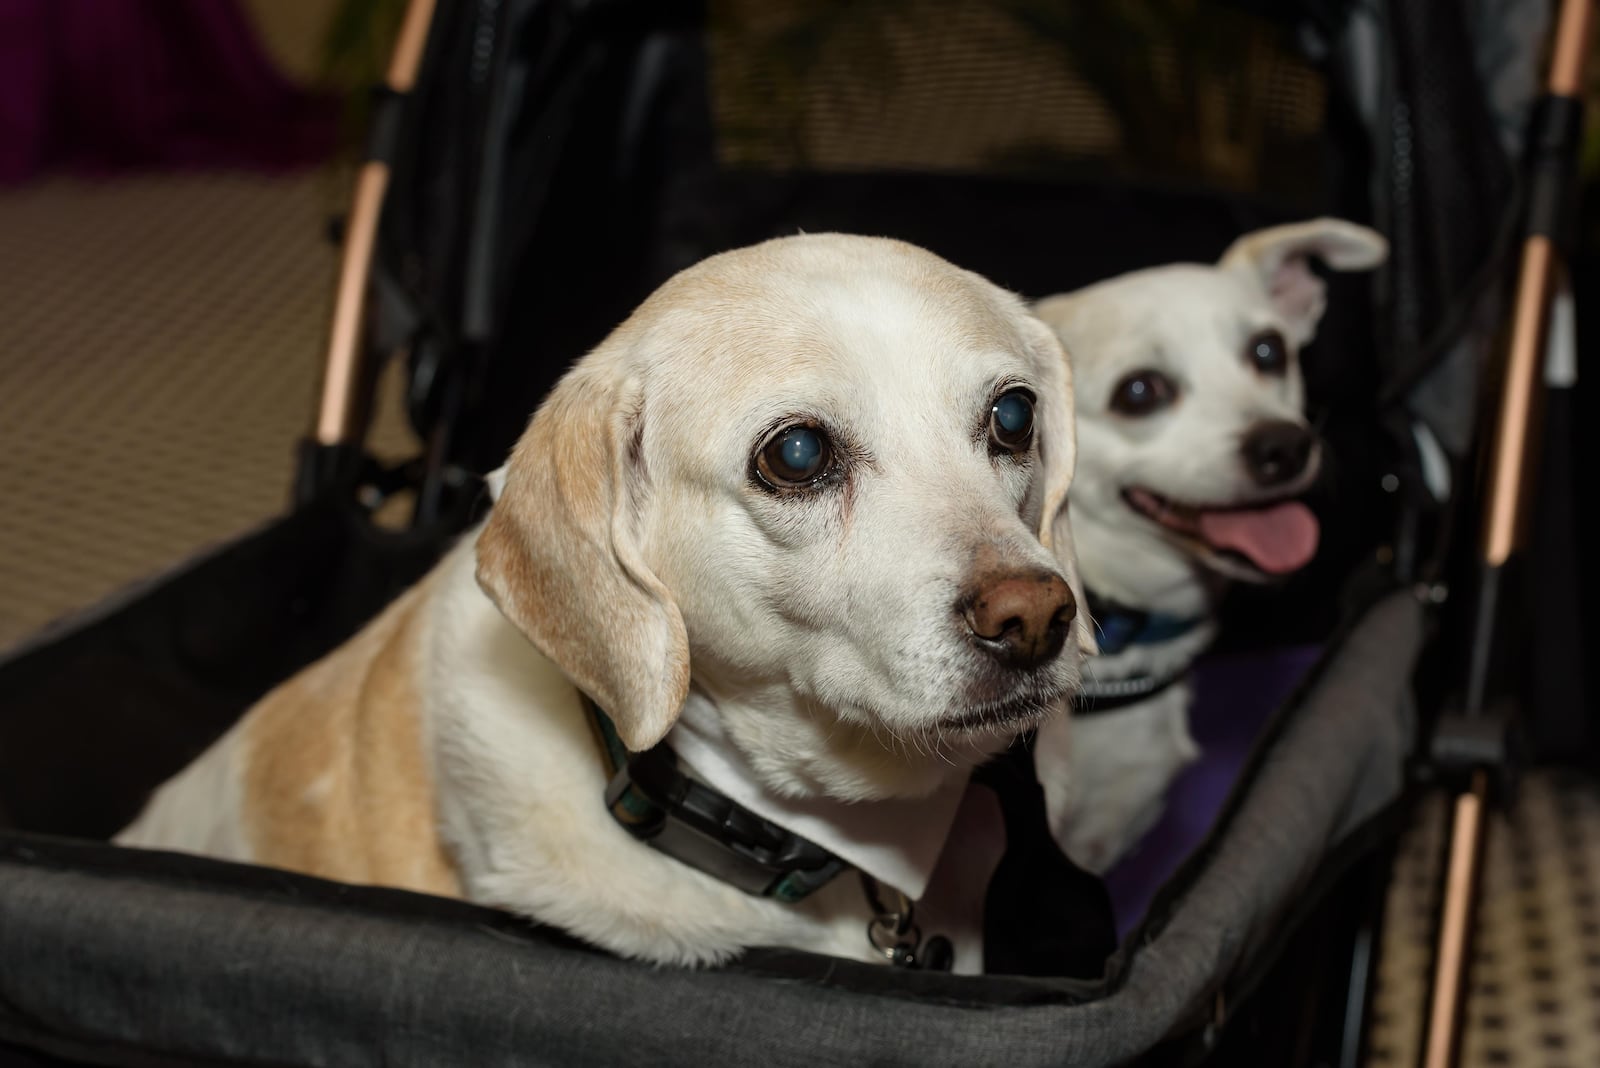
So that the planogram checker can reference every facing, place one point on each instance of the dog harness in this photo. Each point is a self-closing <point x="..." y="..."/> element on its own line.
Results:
<point x="1118" y="627"/>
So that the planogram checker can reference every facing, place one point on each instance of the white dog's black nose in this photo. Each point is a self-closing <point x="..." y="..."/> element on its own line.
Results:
<point x="1277" y="452"/>
<point x="1021" y="619"/>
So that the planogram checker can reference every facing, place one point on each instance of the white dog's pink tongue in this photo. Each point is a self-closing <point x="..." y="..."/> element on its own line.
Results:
<point x="1278" y="539"/>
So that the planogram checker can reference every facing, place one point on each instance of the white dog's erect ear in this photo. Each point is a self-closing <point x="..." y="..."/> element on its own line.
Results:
<point x="560" y="559"/>
<point x="1279" y="258"/>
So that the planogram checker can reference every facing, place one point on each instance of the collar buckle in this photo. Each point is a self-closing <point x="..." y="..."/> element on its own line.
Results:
<point x="653" y="800"/>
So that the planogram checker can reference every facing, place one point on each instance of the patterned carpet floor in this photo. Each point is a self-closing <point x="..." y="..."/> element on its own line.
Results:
<point x="1534" y="993"/>
<point x="160" y="346"/>
<point x="160" y="342"/>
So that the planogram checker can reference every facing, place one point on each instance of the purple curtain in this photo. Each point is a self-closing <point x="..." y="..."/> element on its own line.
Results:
<point x="107" y="86"/>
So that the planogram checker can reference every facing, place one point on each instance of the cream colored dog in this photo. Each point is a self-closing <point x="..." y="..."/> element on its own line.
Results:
<point x="1195" y="444"/>
<point x="805" y="496"/>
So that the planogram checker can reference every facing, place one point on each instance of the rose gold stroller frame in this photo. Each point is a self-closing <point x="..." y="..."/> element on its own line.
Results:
<point x="341" y="422"/>
<point x="340" y="414"/>
<point x="1506" y="506"/>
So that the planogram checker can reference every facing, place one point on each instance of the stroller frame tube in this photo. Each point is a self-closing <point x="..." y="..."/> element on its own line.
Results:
<point x="1443" y="1049"/>
<point x="1519" y="403"/>
<point x="1515" y="428"/>
<point x="1509" y="491"/>
<point x="337" y="415"/>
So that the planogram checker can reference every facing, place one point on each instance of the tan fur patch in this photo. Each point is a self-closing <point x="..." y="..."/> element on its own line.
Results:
<point x="555" y="559"/>
<point x="336" y="781"/>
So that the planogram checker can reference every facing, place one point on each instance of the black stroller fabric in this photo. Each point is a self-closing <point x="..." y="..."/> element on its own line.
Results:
<point x="198" y="962"/>
<point x="556" y="161"/>
<point x="166" y="670"/>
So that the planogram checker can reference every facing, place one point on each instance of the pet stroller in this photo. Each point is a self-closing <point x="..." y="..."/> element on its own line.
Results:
<point x="536" y="167"/>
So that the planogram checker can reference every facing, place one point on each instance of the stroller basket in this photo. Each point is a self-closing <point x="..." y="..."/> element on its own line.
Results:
<point x="365" y="975"/>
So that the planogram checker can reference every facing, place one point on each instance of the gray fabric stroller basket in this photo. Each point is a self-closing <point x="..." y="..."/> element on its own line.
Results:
<point x="549" y="163"/>
<point x="186" y="961"/>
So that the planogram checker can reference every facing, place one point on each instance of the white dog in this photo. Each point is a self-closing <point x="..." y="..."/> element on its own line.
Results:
<point x="1189" y="401"/>
<point x="795" y="518"/>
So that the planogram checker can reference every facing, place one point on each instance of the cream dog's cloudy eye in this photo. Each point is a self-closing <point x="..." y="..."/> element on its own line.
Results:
<point x="1011" y="420"/>
<point x="794" y="457"/>
<point x="1268" y="352"/>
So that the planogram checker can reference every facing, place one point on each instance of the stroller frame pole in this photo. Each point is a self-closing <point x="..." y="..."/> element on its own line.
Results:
<point x="1443" y="1047"/>
<point x="1509" y="493"/>
<point x="338" y="421"/>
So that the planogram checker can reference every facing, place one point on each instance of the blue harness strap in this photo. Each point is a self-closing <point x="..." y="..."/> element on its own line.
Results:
<point x="1118" y="627"/>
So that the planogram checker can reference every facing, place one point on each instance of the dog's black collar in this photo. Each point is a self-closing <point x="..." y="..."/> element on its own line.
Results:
<point x="709" y="831"/>
<point x="1097" y="698"/>
<point x="1117" y="626"/>
<point x="691" y="822"/>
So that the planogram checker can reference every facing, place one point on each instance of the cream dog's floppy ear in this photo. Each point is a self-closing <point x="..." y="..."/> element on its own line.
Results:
<point x="560" y="560"/>
<point x="1278" y="257"/>
<point x="1067" y="557"/>
<point x="1058" y="451"/>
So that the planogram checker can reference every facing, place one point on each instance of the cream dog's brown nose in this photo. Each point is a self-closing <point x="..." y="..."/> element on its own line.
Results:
<point x="1021" y="619"/>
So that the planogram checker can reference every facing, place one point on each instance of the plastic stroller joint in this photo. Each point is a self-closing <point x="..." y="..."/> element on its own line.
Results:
<point x="384" y="124"/>
<point x="1462" y="745"/>
<point x="323" y="468"/>
<point x="653" y="800"/>
<point x="1553" y="145"/>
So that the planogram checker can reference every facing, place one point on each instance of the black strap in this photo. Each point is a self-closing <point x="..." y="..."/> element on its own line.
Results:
<point x="1099" y="698"/>
<point x="689" y="821"/>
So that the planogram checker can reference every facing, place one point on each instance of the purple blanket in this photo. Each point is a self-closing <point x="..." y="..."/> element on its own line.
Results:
<point x="1234" y="698"/>
<point x="103" y="86"/>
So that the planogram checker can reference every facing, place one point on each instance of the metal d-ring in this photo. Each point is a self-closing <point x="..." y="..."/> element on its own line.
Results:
<point x="892" y="931"/>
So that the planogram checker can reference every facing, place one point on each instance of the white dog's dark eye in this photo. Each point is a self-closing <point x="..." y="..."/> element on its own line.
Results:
<point x="795" y="456"/>
<point x="1268" y="352"/>
<point x="1011" y="421"/>
<point x="1143" y="393"/>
